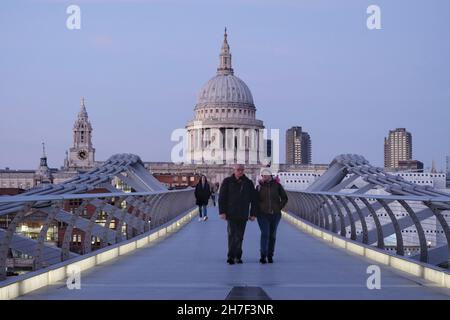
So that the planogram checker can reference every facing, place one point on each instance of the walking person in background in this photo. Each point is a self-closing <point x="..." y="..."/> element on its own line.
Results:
<point x="237" y="205"/>
<point x="202" y="195"/>
<point x="271" y="199"/>
<point x="214" y="190"/>
<point x="217" y="190"/>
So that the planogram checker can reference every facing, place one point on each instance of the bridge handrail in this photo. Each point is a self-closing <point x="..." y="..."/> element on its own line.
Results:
<point x="115" y="215"/>
<point x="72" y="196"/>
<point x="443" y="199"/>
<point x="372" y="218"/>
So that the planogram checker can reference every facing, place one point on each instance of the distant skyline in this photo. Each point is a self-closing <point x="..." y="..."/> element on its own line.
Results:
<point x="139" y="64"/>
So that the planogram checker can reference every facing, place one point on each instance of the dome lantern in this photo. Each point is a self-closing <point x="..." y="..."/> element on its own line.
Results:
<point x="225" y="57"/>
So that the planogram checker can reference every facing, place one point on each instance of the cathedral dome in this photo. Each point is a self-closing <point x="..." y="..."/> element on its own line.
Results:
<point x="225" y="89"/>
<point x="225" y="128"/>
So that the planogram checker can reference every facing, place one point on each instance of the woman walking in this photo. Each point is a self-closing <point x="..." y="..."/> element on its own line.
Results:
<point x="271" y="198"/>
<point x="202" y="194"/>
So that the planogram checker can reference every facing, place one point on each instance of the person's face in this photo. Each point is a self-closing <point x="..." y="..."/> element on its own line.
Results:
<point x="203" y="179"/>
<point x="266" y="177"/>
<point x="238" y="171"/>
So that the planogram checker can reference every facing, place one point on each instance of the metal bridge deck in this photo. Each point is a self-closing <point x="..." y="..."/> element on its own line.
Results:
<point x="190" y="264"/>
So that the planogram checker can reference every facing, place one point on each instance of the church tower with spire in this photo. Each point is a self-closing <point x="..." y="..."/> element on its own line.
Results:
<point x="43" y="174"/>
<point x="82" y="153"/>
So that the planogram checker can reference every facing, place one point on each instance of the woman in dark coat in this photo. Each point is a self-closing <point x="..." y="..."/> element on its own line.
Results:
<point x="272" y="198"/>
<point x="202" y="195"/>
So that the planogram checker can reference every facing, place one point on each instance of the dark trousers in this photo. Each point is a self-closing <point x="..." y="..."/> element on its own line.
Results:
<point x="268" y="224"/>
<point x="202" y="211"/>
<point x="236" y="229"/>
<point x="213" y="197"/>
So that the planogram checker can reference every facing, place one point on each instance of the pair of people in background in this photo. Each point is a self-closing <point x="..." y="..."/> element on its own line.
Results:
<point x="239" y="202"/>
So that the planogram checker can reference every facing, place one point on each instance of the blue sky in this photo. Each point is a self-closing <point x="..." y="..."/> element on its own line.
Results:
<point x="140" y="65"/>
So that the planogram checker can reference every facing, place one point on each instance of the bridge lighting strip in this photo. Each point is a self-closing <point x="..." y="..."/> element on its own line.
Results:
<point x="26" y="283"/>
<point x="437" y="276"/>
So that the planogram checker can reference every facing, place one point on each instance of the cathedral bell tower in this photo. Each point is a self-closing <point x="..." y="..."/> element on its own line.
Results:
<point x="82" y="154"/>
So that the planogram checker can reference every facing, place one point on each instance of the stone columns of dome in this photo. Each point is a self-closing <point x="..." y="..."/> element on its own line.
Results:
<point x="246" y="146"/>
<point x="260" y="134"/>
<point x="236" y="143"/>
<point x="195" y="132"/>
<point x="222" y="135"/>
<point x="198" y="145"/>
<point x="253" y="147"/>
<point x="229" y="148"/>
<point x="192" y="146"/>
<point x="202" y="144"/>
<point x="257" y="145"/>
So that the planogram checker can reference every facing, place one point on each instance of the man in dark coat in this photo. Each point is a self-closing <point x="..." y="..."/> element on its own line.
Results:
<point x="271" y="199"/>
<point x="237" y="204"/>
<point x="202" y="194"/>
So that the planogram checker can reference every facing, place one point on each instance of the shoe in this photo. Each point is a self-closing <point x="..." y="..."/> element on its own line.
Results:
<point x="270" y="259"/>
<point x="239" y="261"/>
<point x="263" y="259"/>
<point x="230" y="261"/>
<point x="205" y="218"/>
<point x="200" y="219"/>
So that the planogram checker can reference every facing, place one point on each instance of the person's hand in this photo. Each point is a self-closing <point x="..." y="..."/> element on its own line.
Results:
<point x="252" y="218"/>
<point x="223" y="216"/>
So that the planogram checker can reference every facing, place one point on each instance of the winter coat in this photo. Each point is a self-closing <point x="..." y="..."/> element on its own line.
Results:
<point x="271" y="197"/>
<point x="214" y="189"/>
<point x="237" y="198"/>
<point x="202" y="194"/>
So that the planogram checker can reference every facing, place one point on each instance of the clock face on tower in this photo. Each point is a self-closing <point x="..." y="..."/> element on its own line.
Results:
<point x="82" y="154"/>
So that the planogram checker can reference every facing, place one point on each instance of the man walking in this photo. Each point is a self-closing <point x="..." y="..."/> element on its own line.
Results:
<point x="237" y="204"/>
